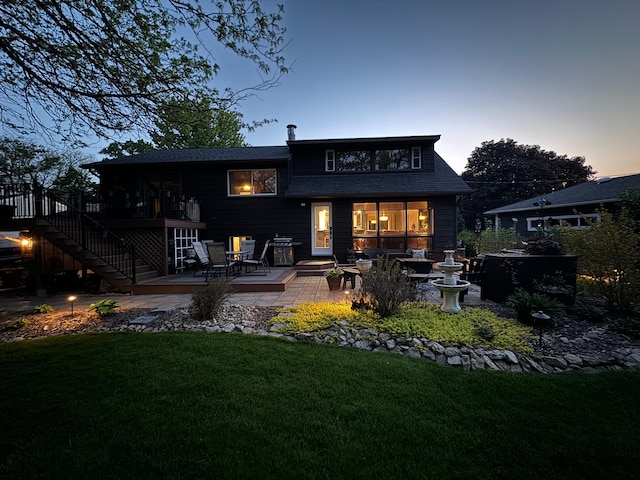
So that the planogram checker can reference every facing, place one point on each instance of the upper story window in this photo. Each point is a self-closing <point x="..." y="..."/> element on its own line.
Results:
<point x="252" y="182"/>
<point x="353" y="161"/>
<point x="330" y="161"/>
<point x="416" y="158"/>
<point x="380" y="160"/>
<point x="396" y="159"/>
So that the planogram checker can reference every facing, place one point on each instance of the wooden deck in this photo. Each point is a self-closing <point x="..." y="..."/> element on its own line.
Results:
<point x="276" y="281"/>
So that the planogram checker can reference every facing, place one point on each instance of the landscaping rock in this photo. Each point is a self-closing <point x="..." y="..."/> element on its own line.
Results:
<point x="573" y="346"/>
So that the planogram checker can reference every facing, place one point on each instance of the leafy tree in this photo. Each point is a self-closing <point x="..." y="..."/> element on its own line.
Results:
<point x="505" y="172"/>
<point x="130" y="147"/>
<point x="630" y="204"/>
<point x="25" y="162"/>
<point x="187" y="124"/>
<point x="196" y="124"/>
<point x="609" y="255"/>
<point x="75" y="66"/>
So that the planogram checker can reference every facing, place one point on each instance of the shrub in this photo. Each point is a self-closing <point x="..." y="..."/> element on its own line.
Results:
<point x="386" y="287"/>
<point x="18" y="324"/>
<point x="544" y="246"/>
<point x="206" y="302"/>
<point x="489" y="241"/>
<point x="44" y="308"/>
<point x="525" y="303"/>
<point x="609" y="254"/>
<point x="104" y="307"/>
<point x="484" y="330"/>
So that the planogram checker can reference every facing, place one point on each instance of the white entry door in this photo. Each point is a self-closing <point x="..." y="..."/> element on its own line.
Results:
<point x="322" y="230"/>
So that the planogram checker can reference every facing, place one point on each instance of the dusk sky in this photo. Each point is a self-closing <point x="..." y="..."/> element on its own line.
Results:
<point x="562" y="74"/>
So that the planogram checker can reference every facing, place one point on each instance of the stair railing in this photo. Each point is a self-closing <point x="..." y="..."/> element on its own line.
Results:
<point x="93" y="237"/>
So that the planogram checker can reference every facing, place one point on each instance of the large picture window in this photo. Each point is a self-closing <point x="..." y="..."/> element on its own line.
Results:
<point x="252" y="182"/>
<point x="353" y="161"/>
<point x="398" y="159"/>
<point x="392" y="225"/>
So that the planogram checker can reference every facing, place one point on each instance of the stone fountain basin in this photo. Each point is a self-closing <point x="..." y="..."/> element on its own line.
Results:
<point x="443" y="287"/>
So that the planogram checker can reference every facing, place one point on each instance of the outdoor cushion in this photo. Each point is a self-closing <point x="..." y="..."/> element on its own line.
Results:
<point x="417" y="253"/>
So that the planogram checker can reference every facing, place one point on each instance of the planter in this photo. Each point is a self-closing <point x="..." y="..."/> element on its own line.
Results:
<point x="506" y="272"/>
<point x="364" y="265"/>
<point x="334" y="283"/>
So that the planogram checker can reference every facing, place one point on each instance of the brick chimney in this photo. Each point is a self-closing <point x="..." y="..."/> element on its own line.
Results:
<point x="291" y="132"/>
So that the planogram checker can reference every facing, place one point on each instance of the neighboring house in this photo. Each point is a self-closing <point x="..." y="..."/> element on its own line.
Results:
<point x="566" y="207"/>
<point x="329" y="196"/>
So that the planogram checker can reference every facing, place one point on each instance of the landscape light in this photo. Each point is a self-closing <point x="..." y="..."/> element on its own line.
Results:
<point x="71" y="298"/>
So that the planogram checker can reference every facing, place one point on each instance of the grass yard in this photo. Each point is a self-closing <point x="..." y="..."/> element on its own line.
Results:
<point x="232" y="406"/>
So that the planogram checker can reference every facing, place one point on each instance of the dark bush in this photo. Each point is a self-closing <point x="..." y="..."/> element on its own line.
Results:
<point x="206" y="302"/>
<point x="544" y="246"/>
<point x="525" y="303"/>
<point x="386" y="287"/>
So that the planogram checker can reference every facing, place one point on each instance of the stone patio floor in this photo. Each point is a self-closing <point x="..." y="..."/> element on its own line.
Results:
<point x="301" y="290"/>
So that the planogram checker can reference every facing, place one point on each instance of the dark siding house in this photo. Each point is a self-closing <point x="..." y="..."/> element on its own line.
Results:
<point x="330" y="195"/>
<point x="568" y="207"/>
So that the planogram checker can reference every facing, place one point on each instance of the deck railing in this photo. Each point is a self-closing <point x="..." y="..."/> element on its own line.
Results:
<point x="68" y="216"/>
<point x="18" y="201"/>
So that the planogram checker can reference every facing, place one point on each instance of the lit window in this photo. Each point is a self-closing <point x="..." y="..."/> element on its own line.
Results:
<point x="252" y="182"/>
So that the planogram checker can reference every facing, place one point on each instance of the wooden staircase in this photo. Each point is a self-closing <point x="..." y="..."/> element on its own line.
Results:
<point x="93" y="245"/>
<point x="106" y="265"/>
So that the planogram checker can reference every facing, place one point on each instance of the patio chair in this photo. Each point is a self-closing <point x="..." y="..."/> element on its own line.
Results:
<point x="202" y="258"/>
<point x="220" y="264"/>
<point x="259" y="263"/>
<point x="248" y="246"/>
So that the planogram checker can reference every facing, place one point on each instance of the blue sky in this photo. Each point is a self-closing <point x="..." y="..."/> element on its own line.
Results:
<point x="561" y="74"/>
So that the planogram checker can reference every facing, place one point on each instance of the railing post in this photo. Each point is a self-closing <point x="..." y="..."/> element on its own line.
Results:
<point x="37" y="196"/>
<point x="133" y="263"/>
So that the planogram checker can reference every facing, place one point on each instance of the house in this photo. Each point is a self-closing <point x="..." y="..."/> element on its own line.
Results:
<point x="329" y="196"/>
<point x="567" y="207"/>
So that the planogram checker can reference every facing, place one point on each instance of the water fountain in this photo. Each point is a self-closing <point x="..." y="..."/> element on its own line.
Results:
<point x="450" y="286"/>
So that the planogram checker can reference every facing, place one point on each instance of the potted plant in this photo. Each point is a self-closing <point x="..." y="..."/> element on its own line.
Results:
<point x="334" y="277"/>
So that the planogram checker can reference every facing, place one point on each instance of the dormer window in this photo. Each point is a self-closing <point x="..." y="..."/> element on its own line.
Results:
<point x="416" y="158"/>
<point x="330" y="161"/>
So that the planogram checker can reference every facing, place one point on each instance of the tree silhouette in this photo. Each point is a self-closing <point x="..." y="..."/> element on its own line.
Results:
<point x="505" y="172"/>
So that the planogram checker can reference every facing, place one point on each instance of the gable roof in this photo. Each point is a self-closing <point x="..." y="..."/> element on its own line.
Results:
<point x="195" y="155"/>
<point x="595" y="192"/>
<point x="442" y="181"/>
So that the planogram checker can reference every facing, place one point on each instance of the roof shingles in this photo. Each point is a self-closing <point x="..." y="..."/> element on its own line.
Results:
<point x="596" y="191"/>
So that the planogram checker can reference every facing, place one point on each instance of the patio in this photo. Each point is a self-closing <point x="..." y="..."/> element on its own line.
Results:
<point x="299" y="289"/>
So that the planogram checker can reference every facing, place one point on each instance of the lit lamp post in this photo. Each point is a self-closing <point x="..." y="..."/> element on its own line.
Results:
<point x="540" y="320"/>
<point x="71" y="298"/>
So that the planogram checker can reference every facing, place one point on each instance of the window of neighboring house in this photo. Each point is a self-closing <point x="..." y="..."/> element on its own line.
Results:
<point x="330" y="161"/>
<point x="416" y="158"/>
<point x="397" y="159"/>
<point x="535" y="224"/>
<point x="353" y="161"/>
<point x="252" y="182"/>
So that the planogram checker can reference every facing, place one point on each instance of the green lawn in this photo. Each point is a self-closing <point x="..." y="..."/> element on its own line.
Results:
<point x="195" y="405"/>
